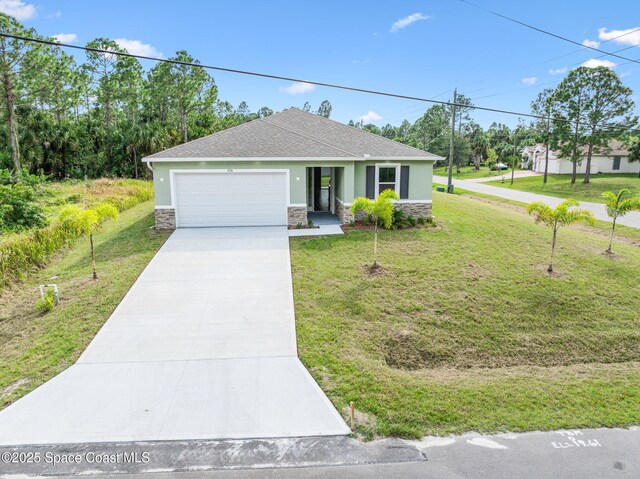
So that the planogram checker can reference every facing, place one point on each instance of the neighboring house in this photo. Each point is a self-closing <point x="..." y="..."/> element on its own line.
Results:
<point x="613" y="159"/>
<point x="273" y="170"/>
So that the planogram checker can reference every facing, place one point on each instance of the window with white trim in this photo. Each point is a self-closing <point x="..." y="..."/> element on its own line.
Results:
<point x="387" y="178"/>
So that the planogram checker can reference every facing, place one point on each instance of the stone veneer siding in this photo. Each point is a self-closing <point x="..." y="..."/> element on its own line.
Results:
<point x="165" y="218"/>
<point x="297" y="215"/>
<point x="343" y="213"/>
<point x="415" y="209"/>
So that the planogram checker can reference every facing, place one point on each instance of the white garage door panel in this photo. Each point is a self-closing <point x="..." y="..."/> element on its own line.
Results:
<point x="230" y="199"/>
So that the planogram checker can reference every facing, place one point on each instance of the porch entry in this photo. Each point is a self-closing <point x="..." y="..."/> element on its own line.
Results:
<point x="321" y="185"/>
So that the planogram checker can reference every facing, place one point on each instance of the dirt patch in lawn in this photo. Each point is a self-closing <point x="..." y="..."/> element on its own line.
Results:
<point x="373" y="271"/>
<point x="406" y="350"/>
<point x="11" y="388"/>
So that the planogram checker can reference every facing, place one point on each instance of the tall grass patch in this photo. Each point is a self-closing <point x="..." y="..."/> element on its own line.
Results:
<point x="25" y="252"/>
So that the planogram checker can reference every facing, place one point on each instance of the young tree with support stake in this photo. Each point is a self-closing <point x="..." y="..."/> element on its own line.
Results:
<point x="555" y="218"/>
<point x="618" y="206"/>
<point x="87" y="222"/>
<point x="380" y="209"/>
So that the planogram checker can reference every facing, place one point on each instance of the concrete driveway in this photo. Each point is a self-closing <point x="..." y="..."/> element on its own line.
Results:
<point x="203" y="346"/>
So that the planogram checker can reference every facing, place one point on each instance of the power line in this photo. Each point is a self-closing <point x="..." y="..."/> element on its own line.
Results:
<point x="546" y="32"/>
<point x="573" y="52"/>
<point x="400" y="113"/>
<point x="546" y="83"/>
<point x="275" y="77"/>
<point x="262" y="75"/>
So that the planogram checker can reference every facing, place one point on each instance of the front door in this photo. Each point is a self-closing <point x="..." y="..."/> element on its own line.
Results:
<point x="322" y="189"/>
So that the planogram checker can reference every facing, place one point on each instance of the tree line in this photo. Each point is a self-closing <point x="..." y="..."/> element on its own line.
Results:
<point x="588" y="108"/>
<point x="98" y="118"/>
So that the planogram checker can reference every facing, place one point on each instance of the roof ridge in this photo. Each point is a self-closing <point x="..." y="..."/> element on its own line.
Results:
<point x="364" y="131"/>
<point x="309" y="137"/>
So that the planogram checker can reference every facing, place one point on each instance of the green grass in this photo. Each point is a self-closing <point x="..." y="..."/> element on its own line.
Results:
<point x="464" y="330"/>
<point x="35" y="346"/>
<point x="626" y="233"/>
<point x="560" y="185"/>
<point x="469" y="172"/>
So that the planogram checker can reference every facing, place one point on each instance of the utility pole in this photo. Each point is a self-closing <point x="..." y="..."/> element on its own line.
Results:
<point x="515" y="154"/>
<point x="546" y="153"/>
<point x="453" y="132"/>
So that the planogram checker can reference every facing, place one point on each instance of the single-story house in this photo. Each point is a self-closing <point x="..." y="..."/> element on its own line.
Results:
<point x="612" y="159"/>
<point x="273" y="170"/>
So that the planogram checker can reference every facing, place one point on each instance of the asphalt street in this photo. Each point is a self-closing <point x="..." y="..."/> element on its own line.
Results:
<point x="587" y="453"/>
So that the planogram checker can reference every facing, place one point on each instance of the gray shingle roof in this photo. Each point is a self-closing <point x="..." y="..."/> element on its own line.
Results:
<point x="292" y="133"/>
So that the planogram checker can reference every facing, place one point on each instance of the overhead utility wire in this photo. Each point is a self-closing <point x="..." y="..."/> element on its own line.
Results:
<point x="573" y="52"/>
<point x="262" y="75"/>
<point x="275" y="77"/>
<point x="546" y="32"/>
<point x="399" y="114"/>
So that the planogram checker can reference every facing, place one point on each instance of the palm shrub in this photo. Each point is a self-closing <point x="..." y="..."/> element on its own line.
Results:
<point x="618" y="206"/>
<point x="380" y="210"/>
<point x="555" y="218"/>
<point x="87" y="222"/>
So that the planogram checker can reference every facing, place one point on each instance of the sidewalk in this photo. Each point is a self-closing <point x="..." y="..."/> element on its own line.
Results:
<point x="599" y="210"/>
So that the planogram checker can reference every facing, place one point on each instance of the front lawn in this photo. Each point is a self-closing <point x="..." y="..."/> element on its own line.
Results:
<point x="470" y="172"/>
<point x="560" y="185"/>
<point x="35" y="346"/>
<point x="464" y="330"/>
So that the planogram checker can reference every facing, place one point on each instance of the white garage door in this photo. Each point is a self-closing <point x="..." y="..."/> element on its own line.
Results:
<point x="239" y="198"/>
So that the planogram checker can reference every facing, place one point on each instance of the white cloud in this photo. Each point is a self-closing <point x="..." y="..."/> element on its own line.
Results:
<point x="591" y="43"/>
<point x="558" y="71"/>
<point x="360" y="61"/>
<point x="630" y="36"/>
<point x="136" y="47"/>
<point x="369" y="117"/>
<point x="56" y="14"/>
<point x="530" y="81"/>
<point x="65" y="37"/>
<point x="297" y="88"/>
<point x="594" y="62"/>
<point x="406" y="21"/>
<point x="17" y="9"/>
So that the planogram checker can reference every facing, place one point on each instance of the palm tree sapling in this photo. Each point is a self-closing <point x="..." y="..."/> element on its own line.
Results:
<point x="555" y="218"/>
<point x="380" y="209"/>
<point x="618" y="206"/>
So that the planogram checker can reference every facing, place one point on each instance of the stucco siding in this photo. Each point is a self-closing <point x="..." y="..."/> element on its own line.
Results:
<point x="297" y="174"/>
<point x="350" y="177"/>
<point x="420" y="178"/>
<point x="599" y="164"/>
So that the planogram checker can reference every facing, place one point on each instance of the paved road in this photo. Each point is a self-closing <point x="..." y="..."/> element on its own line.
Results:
<point x="599" y="210"/>
<point x="589" y="453"/>
<point x="203" y="346"/>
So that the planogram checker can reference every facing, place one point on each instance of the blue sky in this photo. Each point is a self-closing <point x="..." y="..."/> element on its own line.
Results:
<point x="409" y="47"/>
